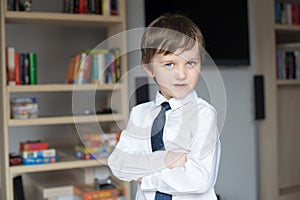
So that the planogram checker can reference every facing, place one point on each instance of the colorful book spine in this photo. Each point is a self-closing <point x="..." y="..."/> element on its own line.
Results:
<point x="95" y="71"/>
<point x="26" y="64"/>
<point x="17" y="70"/>
<point x="38" y="153"/>
<point x="10" y="56"/>
<point x="80" y="74"/>
<point x="33" y="146"/>
<point x="22" y="68"/>
<point x="35" y="161"/>
<point x="32" y="68"/>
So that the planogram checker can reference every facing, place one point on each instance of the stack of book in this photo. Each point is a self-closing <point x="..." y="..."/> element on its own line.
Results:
<point x="37" y="152"/>
<point x="95" y="66"/>
<point x="21" y="68"/>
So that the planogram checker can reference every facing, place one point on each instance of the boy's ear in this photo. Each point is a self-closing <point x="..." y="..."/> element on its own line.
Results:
<point x="148" y="69"/>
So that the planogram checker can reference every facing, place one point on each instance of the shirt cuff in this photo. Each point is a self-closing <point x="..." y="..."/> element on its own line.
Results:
<point x="147" y="184"/>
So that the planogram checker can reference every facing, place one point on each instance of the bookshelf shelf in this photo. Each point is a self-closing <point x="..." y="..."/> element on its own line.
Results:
<point x="21" y="169"/>
<point x="61" y="18"/>
<point x="287" y="28"/>
<point x="288" y="82"/>
<point x="62" y="87"/>
<point x="65" y="120"/>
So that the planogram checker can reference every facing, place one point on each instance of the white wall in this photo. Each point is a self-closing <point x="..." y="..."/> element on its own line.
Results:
<point x="238" y="173"/>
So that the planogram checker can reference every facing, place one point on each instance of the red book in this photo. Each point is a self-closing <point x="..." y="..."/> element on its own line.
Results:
<point x="81" y="6"/>
<point x="295" y="14"/>
<point x="17" y="70"/>
<point x="27" y="146"/>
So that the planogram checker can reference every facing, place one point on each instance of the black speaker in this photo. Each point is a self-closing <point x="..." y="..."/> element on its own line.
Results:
<point x="18" y="188"/>
<point x="142" y="90"/>
<point x="259" y="97"/>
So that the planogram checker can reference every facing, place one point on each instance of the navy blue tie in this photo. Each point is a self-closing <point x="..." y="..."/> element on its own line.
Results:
<point x="157" y="142"/>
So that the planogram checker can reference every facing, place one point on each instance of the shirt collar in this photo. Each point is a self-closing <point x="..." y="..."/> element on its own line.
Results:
<point x="176" y="103"/>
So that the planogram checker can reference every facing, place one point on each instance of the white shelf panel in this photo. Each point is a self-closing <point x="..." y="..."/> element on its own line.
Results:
<point x="62" y="87"/>
<point x="20" y="169"/>
<point x="66" y="120"/>
<point x="61" y="18"/>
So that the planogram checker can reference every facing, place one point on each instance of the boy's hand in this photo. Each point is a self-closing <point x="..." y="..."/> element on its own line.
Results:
<point x="175" y="159"/>
<point x="138" y="180"/>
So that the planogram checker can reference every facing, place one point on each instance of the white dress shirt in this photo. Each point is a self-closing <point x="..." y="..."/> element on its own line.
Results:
<point x="191" y="127"/>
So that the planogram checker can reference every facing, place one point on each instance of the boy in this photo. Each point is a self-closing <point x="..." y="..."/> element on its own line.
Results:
<point x="171" y="145"/>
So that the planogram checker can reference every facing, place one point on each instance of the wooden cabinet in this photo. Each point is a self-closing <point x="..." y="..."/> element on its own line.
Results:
<point x="51" y="82"/>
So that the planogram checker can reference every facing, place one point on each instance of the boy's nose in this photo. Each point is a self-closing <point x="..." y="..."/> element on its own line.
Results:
<point x="181" y="72"/>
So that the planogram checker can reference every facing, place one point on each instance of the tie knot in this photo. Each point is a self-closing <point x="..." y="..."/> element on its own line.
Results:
<point x="166" y="106"/>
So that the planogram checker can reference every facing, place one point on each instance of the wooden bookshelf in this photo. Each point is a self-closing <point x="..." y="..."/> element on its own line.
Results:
<point x="279" y="131"/>
<point x="111" y="25"/>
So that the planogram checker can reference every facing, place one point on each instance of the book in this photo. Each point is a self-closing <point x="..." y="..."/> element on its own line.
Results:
<point x="117" y="57"/>
<point x="10" y="55"/>
<point x="32" y="68"/>
<point x="76" y="61"/>
<point x="95" y="71"/>
<point x="29" y="146"/>
<point x="38" y="153"/>
<point x="114" y="7"/>
<point x="81" y="70"/>
<point x="26" y="67"/>
<point x="69" y="75"/>
<point x="87" y="68"/>
<point x="35" y="161"/>
<point x="106" y="7"/>
<point x="17" y="70"/>
<point x="22" y="68"/>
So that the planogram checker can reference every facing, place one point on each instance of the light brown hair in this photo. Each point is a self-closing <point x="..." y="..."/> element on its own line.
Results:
<point x="170" y="33"/>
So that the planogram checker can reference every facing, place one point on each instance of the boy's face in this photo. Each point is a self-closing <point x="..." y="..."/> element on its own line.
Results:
<point x="176" y="74"/>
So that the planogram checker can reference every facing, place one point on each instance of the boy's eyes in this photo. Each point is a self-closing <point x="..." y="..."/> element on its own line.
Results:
<point x="192" y="63"/>
<point x="169" y="65"/>
<point x="189" y="63"/>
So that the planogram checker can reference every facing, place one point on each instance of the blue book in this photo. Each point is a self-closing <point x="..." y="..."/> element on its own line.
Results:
<point x="277" y="10"/>
<point x="22" y="68"/>
<point x="37" y="161"/>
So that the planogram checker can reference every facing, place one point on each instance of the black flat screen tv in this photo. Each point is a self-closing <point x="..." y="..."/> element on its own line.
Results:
<point x="224" y="25"/>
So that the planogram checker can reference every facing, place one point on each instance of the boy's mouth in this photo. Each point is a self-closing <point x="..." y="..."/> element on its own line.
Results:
<point x="180" y="85"/>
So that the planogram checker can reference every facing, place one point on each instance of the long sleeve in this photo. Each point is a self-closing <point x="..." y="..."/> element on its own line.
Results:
<point x="199" y="173"/>
<point x="131" y="160"/>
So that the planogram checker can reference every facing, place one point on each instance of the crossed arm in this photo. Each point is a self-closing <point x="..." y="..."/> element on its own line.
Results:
<point x="158" y="171"/>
